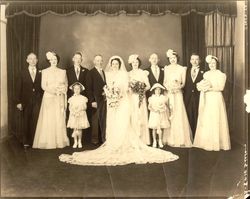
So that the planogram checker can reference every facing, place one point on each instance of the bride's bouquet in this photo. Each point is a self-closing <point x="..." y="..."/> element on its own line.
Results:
<point x="139" y="88"/>
<point x="204" y="85"/>
<point x="113" y="96"/>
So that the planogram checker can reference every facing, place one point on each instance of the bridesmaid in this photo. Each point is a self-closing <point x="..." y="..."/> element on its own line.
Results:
<point x="51" y="126"/>
<point x="212" y="131"/>
<point x="139" y="118"/>
<point x="180" y="134"/>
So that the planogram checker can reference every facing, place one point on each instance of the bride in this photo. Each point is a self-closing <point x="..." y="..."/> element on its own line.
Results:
<point x="122" y="146"/>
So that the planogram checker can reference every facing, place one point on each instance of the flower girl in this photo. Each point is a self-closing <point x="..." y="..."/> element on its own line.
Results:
<point x="77" y="118"/>
<point x="158" y="118"/>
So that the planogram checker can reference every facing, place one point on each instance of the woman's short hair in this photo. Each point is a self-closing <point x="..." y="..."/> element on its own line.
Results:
<point x="117" y="59"/>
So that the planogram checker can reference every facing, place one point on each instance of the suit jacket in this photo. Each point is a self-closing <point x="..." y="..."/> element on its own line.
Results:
<point x="190" y="88"/>
<point x="95" y="85"/>
<point x="72" y="78"/>
<point x="27" y="89"/>
<point x="152" y="79"/>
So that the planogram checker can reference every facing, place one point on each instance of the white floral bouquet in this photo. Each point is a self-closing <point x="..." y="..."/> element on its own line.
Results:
<point x="139" y="88"/>
<point x="204" y="85"/>
<point x="174" y="86"/>
<point x="113" y="95"/>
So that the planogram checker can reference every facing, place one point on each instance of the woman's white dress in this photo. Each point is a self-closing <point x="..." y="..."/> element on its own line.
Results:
<point x="139" y="118"/>
<point x="51" y="126"/>
<point x="179" y="134"/>
<point x="123" y="145"/>
<point x="212" y="131"/>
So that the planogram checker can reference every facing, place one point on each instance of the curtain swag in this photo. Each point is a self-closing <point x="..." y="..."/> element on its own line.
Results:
<point x="129" y="8"/>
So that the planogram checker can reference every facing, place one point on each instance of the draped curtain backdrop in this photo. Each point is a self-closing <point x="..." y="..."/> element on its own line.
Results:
<point x="22" y="38"/>
<point x="219" y="37"/>
<point x="199" y="23"/>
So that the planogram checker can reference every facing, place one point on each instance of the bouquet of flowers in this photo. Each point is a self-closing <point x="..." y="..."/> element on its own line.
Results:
<point x="203" y="85"/>
<point x="139" y="88"/>
<point x="113" y="95"/>
<point x="61" y="89"/>
<point x="174" y="86"/>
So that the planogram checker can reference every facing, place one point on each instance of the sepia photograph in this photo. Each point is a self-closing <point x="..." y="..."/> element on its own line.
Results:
<point x="124" y="99"/>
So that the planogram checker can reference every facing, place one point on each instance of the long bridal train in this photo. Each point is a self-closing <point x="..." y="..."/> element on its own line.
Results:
<point x="122" y="146"/>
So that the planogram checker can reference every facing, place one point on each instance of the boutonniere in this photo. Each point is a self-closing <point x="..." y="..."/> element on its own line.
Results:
<point x="202" y="71"/>
<point x="83" y="70"/>
<point x="40" y="71"/>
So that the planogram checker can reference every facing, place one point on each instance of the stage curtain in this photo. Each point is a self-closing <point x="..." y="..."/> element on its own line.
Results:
<point x="219" y="38"/>
<point x="112" y="7"/>
<point x="193" y="37"/>
<point x="22" y="38"/>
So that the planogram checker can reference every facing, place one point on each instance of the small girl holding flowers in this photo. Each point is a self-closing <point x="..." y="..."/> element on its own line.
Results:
<point x="77" y="118"/>
<point x="158" y="118"/>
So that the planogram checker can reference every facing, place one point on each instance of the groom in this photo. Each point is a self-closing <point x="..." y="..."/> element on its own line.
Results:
<point x="96" y="80"/>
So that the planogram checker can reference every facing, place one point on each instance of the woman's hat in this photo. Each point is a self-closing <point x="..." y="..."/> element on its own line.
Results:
<point x="49" y="55"/>
<point x="132" y="58"/>
<point x="170" y="52"/>
<point x="157" y="85"/>
<point x="77" y="83"/>
<point x="210" y="57"/>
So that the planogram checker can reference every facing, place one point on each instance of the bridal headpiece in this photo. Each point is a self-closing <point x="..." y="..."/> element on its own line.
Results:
<point x="210" y="57"/>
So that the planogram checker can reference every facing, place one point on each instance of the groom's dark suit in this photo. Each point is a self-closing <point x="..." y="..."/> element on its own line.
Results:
<point x="29" y="94"/>
<point x="95" y="84"/>
<point x="72" y="78"/>
<point x="191" y="97"/>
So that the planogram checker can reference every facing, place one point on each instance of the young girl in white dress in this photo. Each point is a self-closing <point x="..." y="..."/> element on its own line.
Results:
<point x="180" y="134"/>
<point x="139" y="118"/>
<point x="158" y="118"/>
<point x="77" y="118"/>
<point x="212" y="131"/>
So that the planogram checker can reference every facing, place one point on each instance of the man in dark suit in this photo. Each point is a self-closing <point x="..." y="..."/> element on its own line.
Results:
<point x="156" y="73"/>
<point x="191" y="95"/>
<point x="95" y="82"/>
<point x="29" y="95"/>
<point x="78" y="73"/>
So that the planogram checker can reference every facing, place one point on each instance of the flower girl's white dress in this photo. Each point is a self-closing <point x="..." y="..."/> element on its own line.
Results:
<point x="123" y="145"/>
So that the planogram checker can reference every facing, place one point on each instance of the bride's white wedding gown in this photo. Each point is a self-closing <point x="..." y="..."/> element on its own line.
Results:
<point x="122" y="146"/>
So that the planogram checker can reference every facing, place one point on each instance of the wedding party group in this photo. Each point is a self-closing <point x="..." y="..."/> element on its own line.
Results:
<point x="133" y="113"/>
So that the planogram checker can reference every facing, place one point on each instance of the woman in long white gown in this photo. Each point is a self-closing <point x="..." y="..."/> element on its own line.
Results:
<point x="212" y="131"/>
<point x="123" y="145"/>
<point x="51" y="126"/>
<point x="180" y="134"/>
<point x="139" y="118"/>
